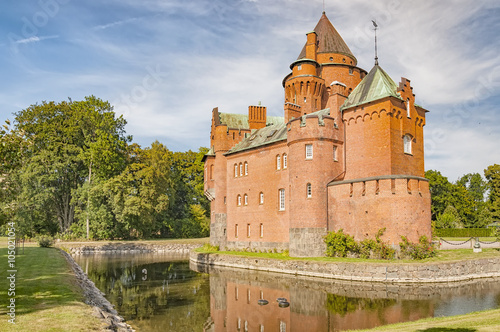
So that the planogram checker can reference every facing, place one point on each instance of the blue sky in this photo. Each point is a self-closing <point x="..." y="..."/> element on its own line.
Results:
<point x="165" y="64"/>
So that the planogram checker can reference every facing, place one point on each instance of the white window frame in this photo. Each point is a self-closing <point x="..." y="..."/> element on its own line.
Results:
<point x="407" y="146"/>
<point x="246" y="199"/>
<point x="281" y="199"/>
<point x="246" y="168"/>
<point x="235" y="170"/>
<point x="278" y="162"/>
<point x="241" y="169"/>
<point x="309" y="190"/>
<point x="309" y="151"/>
<point x="285" y="161"/>
<point x="239" y="200"/>
<point x="261" y="198"/>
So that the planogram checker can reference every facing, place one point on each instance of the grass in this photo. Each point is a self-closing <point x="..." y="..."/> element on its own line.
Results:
<point x="47" y="296"/>
<point x="484" y="321"/>
<point x="442" y="256"/>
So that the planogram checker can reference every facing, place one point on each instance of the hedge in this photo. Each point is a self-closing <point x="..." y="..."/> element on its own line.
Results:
<point x="464" y="232"/>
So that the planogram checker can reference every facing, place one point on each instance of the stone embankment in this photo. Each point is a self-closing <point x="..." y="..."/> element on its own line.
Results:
<point x="102" y="307"/>
<point x="110" y="248"/>
<point x="370" y="272"/>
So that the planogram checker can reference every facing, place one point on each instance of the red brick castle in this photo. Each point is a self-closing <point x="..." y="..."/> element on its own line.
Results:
<point x="348" y="154"/>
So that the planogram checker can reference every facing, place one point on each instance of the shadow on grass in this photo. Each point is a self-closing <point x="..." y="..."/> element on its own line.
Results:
<point x="43" y="280"/>
<point x="447" y="329"/>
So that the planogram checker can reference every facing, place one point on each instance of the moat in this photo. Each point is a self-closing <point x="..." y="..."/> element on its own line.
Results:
<point x="164" y="292"/>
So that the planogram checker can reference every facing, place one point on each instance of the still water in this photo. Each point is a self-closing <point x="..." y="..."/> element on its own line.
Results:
<point x="165" y="293"/>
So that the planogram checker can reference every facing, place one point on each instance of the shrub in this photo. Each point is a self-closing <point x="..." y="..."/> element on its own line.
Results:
<point x="421" y="250"/>
<point x="382" y="249"/>
<point x="339" y="244"/>
<point x="210" y="248"/>
<point x="45" y="241"/>
<point x="464" y="232"/>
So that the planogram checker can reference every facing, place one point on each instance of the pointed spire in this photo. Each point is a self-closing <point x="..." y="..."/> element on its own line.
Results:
<point x="329" y="40"/>
<point x="375" y="29"/>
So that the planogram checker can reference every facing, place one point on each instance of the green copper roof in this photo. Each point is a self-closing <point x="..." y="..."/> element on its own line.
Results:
<point x="267" y="135"/>
<point x="376" y="85"/>
<point x="273" y="133"/>
<point x="240" y="121"/>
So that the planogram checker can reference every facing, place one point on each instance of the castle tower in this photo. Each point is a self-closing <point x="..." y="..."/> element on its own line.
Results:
<point x="384" y="184"/>
<point x="325" y="58"/>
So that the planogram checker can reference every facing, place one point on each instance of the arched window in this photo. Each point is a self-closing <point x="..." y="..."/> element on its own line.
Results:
<point x="309" y="190"/>
<point x="239" y="200"/>
<point x="246" y="199"/>
<point x="335" y="153"/>
<point x="235" y="170"/>
<point x="261" y="198"/>
<point x="246" y="168"/>
<point x="278" y="162"/>
<point x="211" y="172"/>
<point x="408" y="108"/>
<point x="407" y="144"/>
<point x="285" y="161"/>
<point x="241" y="169"/>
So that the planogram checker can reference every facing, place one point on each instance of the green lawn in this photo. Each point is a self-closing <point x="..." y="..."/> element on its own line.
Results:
<point x="47" y="297"/>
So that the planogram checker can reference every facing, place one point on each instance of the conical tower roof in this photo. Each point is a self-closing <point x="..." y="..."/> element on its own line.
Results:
<point x="329" y="40"/>
<point x="376" y="85"/>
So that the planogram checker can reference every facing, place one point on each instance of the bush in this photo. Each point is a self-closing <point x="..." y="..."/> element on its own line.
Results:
<point x="421" y="250"/>
<point x="382" y="249"/>
<point x="210" y="248"/>
<point x="339" y="244"/>
<point x="464" y="232"/>
<point x="45" y="241"/>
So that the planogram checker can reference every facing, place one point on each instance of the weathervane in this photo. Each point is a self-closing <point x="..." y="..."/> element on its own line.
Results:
<point x="375" y="29"/>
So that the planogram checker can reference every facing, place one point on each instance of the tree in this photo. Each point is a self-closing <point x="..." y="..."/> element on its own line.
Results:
<point x="59" y="141"/>
<point x="492" y="174"/>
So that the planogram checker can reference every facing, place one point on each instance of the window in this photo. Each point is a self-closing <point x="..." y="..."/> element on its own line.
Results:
<point x="408" y="107"/>
<point x="246" y="168"/>
<point x="235" y="170"/>
<point x="248" y="230"/>
<point x="309" y="151"/>
<point x="261" y="198"/>
<point x="224" y="200"/>
<point x="335" y="153"/>
<point x="282" y="199"/>
<point x="239" y="200"/>
<point x="351" y="71"/>
<point x="241" y="169"/>
<point x="305" y="100"/>
<point x="309" y="190"/>
<point x="285" y="161"/>
<point x="236" y="235"/>
<point x="282" y="326"/>
<point x="246" y="199"/>
<point x="261" y="230"/>
<point x="211" y="172"/>
<point x="278" y="162"/>
<point x="407" y="144"/>
<point x="299" y="67"/>
<point x="331" y="59"/>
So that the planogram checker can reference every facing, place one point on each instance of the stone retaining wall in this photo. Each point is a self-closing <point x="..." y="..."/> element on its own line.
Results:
<point x="371" y="272"/>
<point x="77" y="249"/>
<point x="93" y="296"/>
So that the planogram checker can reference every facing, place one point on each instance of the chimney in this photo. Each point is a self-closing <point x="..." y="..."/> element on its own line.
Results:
<point x="257" y="117"/>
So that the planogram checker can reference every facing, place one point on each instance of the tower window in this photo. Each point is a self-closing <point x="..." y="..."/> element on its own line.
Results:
<point x="236" y="235"/>
<point x="351" y="71"/>
<point x="407" y="144"/>
<point x="235" y="170"/>
<point x="248" y="230"/>
<point x="309" y="151"/>
<point x="408" y="108"/>
<point x="246" y="168"/>
<point x="246" y="199"/>
<point x="285" y="161"/>
<point x="261" y="230"/>
<point x="299" y="67"/>
<point x="331" y="59"/>
<point x="335" y="153"/>
<point x="241" y="169"/>
<point x="239" y="200"/>
<point x="261" y="198"/>
<point x="305" y="100"/>
<point x="278" y="162"/>
<point x="309" y="190"/>
<point x="282" y="199"/>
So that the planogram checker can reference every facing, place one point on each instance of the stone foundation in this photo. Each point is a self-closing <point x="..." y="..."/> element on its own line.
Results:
<point x="218" y="230"/>
<point x="307" y="242"/>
